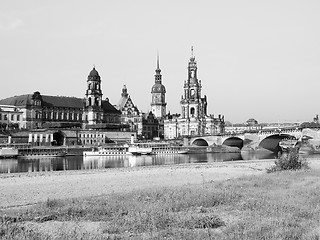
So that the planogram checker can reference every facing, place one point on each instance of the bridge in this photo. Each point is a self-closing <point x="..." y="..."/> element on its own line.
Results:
<point x="267" y="139"/>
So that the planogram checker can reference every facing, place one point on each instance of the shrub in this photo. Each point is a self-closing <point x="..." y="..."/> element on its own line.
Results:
<point x="289" y="160"/>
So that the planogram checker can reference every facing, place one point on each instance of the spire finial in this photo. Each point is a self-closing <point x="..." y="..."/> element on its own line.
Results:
<point x="94" y="66"/>
<point x="158" y="59"/>
<point x="191" y="51"/>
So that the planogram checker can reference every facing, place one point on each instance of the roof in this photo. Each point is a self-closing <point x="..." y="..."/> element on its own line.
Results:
<point x="55" y="101"/>
<point x="48" y="101"/>
<point x="108" y="107"/>
<point x="59" y="101"/>
<point x="94" y="73"/>
<point x="158" y="88"/>
<point x="21" y="100"/>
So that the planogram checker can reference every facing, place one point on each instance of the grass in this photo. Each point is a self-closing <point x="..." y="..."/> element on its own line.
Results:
<point x="280" y="205"/>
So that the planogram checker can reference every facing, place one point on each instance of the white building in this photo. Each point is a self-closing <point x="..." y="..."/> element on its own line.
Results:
<point x="11" y="117"/>
<point x="194" y="119"/>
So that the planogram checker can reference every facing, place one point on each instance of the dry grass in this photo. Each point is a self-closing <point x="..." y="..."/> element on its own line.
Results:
<point x="281" y="205"/>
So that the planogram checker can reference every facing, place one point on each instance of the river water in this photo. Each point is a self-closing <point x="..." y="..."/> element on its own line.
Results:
<point x="83" y="163"/>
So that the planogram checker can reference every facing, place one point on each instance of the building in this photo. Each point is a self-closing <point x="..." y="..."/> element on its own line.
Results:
<point x="150" y="127"/>
<point x="10" y="117"/>
<point x="194" y="119"/>
<point x="251" y="125"/>
<point x="130" y="114"/>
<point x="58" y="120"/>
<point x="158" y="94"/>
<point x="42" y="111"/>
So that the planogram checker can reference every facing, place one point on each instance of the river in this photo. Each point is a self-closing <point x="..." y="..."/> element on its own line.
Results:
<point x="83" y="163"/>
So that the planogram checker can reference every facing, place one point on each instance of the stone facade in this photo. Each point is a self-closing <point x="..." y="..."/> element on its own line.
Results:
<point x="193" y="120"/>
<point x="130" y="114"/>
<point x="90" y="112"/>
<point x="10" y="117"/>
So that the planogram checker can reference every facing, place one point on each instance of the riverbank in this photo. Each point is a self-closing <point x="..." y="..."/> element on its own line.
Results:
<point x="19" y="189"/>
<point x="222" y="200"/>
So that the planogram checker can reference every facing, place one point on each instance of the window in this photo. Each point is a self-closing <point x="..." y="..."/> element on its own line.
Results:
<point x="5" y="117"/>
<point x="12" y="117"/>
<point x="0" y="116"/>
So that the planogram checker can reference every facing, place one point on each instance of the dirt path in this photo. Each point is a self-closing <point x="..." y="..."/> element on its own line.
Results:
<point x="30" y="188"/>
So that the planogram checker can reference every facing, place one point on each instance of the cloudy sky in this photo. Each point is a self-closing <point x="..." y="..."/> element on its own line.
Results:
<point x="256" y="59"/>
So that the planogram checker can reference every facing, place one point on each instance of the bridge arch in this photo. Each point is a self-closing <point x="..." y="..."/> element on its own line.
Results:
<point x="271" y="142"/>
<point x="200" y="142"/>
<point x="233" y="142"/>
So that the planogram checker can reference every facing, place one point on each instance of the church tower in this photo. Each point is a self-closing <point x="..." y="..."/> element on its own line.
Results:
<point x="158" y="92"/>
<point x="192" y="105"/>
<point x="93" y="98"/>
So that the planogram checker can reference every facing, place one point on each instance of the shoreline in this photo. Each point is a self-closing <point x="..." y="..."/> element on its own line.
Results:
<point x="24" y="189"/>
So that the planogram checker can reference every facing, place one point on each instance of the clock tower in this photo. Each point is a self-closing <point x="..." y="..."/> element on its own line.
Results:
<point x="158" y="92"/>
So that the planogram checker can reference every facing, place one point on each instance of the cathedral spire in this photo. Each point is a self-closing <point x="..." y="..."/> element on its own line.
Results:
<point x="158" y="71"/>
<point x="158" y="60"/>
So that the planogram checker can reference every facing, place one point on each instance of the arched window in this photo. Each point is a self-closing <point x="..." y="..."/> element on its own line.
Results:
<point x="89" y="101"/>
<point x="192" y="93"/>
<point x="192" y="111"/>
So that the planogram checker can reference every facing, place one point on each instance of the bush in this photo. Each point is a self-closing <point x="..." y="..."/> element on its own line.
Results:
<point x="289" y="160"/>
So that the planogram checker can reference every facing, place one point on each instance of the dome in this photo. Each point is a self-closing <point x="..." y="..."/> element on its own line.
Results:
<point x="94" y="73"/>
<point x="158" y="88"/>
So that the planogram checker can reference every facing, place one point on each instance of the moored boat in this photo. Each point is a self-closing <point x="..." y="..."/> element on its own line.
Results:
<point x="139" y="150"/>
<point x="41" y="153"/>
<point x="107" y="151"/>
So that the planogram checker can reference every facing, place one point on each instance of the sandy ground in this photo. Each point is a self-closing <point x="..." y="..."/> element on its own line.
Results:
<point x="29" y="188"/>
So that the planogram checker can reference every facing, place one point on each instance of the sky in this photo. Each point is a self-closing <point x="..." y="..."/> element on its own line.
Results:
<point x="256" y="59"/>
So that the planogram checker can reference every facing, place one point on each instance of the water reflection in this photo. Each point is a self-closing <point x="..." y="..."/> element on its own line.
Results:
<point x="79" y="162"/>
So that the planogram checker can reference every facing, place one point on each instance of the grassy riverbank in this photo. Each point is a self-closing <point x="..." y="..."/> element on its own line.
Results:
<point x="284" y="205"/>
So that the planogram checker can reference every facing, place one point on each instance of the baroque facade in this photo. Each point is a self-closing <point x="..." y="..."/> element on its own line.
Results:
<point x="130" y="114"/>
<point x="194" y="119"/>
<point x="90" y="112"/>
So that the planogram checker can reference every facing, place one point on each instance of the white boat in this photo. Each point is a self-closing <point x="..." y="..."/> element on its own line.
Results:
<point x="158" y="148"/>
<point x="139" y="150"/>
<point x="6" y="152"/>
<point x="107" y="151"/>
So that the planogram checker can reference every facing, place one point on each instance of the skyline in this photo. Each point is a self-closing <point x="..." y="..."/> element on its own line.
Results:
<point x="255" y="59"/>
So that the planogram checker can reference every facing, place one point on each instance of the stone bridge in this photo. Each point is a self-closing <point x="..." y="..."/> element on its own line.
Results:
<point x="267" y="139"/>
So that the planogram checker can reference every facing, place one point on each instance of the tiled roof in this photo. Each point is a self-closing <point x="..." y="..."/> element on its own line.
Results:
<point x="21" y="100"/>
<point x="58" y="101"/>
<point x="108" y="107"/>
<point x="55" y="101"/>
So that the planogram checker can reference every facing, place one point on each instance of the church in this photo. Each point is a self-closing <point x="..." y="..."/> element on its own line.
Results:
<point x="193" y="120"/>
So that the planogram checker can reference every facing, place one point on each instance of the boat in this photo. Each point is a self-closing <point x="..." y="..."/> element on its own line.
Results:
<point x="107" y="151"/>
<point x="8" y="152"/>
<point x="162" y="148"/>
<point x="138" y="149"/>
<point x="41" y="153"/>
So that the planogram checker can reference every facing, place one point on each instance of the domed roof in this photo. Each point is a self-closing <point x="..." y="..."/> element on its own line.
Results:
<point x="158" y="88"/>
<point x="94" y="73"/>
